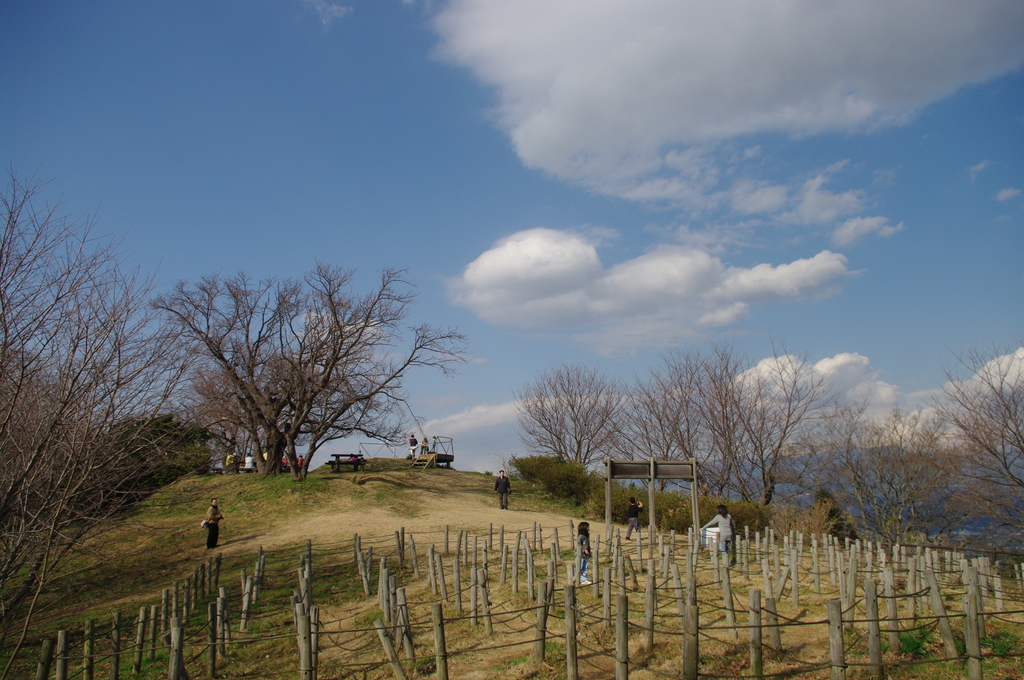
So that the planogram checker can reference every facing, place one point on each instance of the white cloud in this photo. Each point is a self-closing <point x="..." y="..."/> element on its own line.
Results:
<point x="542" y="278"/>
<point x="613" y="95"/>
<point x="1007" y="193"/>
<point x="484" y="436"/>
<point x="327" y="12"/>
<point x="853" y="381"/>
<point x="856" y="227"/>
<point x="475" y="418"/>
<point x="975" y="169"/>
<point x="816" y="205"/>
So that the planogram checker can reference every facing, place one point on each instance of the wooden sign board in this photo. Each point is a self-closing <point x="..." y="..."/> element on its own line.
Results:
<point x="633" y="469"/>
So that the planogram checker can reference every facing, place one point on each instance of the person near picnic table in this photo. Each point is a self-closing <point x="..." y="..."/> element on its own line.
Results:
<point x="503" y="486"/>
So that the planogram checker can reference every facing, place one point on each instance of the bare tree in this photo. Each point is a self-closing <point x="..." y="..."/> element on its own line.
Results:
<point x="984" y="402"/>
<point x="893" y="477"/>
<point x="661" y="415"/>
<point x="781" y="398"/>
<point x="296" y="364"/>
<point x="720" y="403"/>
<point x="81" y="366"/>
<point x="570" y="412"/>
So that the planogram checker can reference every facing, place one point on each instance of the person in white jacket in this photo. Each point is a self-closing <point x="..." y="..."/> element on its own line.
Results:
<point x="725" y="528"/>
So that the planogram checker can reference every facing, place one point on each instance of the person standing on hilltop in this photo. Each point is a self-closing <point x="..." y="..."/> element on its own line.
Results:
<point x="213" y="518"/>
<point x="413" y="443"/>
<point x="633" y="512"/>
<point x="504" y="487"/>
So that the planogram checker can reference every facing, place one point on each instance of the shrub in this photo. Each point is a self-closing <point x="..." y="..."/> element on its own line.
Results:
<point x="562" y="479"/>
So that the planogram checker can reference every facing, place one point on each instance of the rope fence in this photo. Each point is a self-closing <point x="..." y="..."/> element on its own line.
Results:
<point x="662" y="592"/>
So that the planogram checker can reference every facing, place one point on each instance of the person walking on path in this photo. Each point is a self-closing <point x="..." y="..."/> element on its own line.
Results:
<point x="725" y="528"/>
<point x="504" y="487"/>
<point x="583" y="539"/>
<point x="633" y="512"/>
<point x="213" y="518"/>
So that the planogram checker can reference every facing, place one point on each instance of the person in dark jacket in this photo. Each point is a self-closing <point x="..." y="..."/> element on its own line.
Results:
<point x="504" y="487"/>
<point x="633" y="513"/>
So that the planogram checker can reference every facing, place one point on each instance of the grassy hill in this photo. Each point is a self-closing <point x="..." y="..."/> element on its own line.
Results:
<point x="161" y="543"/>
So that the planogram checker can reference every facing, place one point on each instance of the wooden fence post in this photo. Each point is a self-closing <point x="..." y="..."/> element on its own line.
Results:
<point x="939" y="607"/>
<point x="891" y="609"/>
<point x="772" y="621"/>
<point x="165" y="610"/>
<point x="174" y="656"/>
<point x="62" y="655"/>
<point x="45" y="661"/>
<point x="303" y="639"/>
<point x="211" y="639"/>
<point x="314" y="639"/>
<point x="606" y="598"/>
<point x="504" y="561"/>
<point x="405" y="630"/>
<point x="649" y="606"/>
<point x="442" y="583"/>
<point x="571" y="662"/>
<point x="622" y="637"/>
<point x="151" y="652"/>
<point x="115" y="647"/>
<point x="691" y="640"/>
<point x="457" y="583"/>
<point x="389" y="650"/>
<point x="431" y="575"/>
<point x="542" y="622"/>
<point x="88" y="649"/>
<point x="140" y="639"/>
<point x="440" y="648"/>
<point x="727" y="600"/>
<point x="756" y="649"/>
<point x="837" y="655"/>
<point x="972" y="636"/>
<point x="874" y="633"/>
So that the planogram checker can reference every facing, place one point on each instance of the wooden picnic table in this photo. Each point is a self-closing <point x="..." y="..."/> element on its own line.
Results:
<point x="340" y="459"/>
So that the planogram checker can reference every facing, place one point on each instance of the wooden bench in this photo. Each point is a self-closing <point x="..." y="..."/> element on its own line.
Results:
<point x="340" y="459"/>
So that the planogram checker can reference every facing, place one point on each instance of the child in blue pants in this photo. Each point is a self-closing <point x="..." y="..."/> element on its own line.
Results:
<point x="583" y="540"/>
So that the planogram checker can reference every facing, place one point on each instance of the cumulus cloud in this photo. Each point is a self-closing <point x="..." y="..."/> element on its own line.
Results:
<point x="853" y="229"/>
<point x="854" y="382"/>
<point x="632" y="98"/>
<point x="543" y="278"/>
<point x="1007" y="193"/>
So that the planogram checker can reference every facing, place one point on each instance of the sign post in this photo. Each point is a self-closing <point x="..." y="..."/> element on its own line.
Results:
<point x="651" y="470"/>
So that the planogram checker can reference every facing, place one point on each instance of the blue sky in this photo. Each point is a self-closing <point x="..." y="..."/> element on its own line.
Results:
<point x="565" y="181"/>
